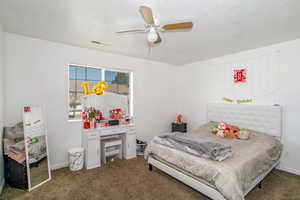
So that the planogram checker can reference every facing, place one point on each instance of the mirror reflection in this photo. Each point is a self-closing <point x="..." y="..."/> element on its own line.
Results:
<point x="38" y="164"/>
<point x="108" y="101"/>
<point x="36" y="146"/>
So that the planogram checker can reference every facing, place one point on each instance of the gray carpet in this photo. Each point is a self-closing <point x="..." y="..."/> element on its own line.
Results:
<point x="130" y="179"/>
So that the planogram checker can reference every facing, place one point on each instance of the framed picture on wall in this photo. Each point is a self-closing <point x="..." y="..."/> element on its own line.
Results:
<point x="240" y="75"/>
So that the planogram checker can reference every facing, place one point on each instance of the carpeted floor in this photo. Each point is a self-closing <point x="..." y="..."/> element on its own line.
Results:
<point x="130" y="179"/>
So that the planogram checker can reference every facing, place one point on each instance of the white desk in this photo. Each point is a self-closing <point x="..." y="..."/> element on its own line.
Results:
<point x="91" y="141"/>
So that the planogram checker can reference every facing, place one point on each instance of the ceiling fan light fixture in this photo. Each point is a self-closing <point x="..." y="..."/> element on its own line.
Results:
<point x="152" y="36"/>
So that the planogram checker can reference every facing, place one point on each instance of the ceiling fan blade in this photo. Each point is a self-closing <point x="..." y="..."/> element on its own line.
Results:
<point x="147" y="14"/>
<point x="183" y="25"/>
<point x="158" y="39"/>
<point x="132" y="31"/>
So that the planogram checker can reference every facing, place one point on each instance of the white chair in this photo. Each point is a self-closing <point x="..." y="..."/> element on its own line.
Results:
<point x="110" y="147"/>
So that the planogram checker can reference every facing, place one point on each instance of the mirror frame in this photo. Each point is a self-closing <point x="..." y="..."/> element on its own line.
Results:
<point x="30" y="188"/>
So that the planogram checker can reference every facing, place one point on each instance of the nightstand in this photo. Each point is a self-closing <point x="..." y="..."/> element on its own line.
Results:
<point x="179" y="127"/>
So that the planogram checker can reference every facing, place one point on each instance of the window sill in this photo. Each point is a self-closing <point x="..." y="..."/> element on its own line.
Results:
<point x="74" y="120"/>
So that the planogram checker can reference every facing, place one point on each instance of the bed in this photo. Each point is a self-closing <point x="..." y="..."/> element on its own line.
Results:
<point x="234" y="178"/>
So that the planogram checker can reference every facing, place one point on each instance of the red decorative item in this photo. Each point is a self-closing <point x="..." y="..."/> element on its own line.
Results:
<point x="240" y="75"/>
<point x="86" y="125"/>
<point x="27" y="109"/>
<point x="179" y="119"/>
<point x="117" y="113"/>
<point x="84" y="116"/>
<point x="99" y="116"/>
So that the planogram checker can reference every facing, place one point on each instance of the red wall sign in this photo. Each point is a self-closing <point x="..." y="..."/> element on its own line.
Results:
<point x="240" y="75"/>
<point x="27" y="109"/>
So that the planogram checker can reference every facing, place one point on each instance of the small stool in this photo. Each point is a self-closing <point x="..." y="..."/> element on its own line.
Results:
<point x="110" y="147"/>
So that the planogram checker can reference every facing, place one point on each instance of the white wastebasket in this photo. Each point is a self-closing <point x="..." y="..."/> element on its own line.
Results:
<point x="76" y="158"/>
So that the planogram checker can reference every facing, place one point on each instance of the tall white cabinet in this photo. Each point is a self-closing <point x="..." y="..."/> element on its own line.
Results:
<point x="91" y="142"/>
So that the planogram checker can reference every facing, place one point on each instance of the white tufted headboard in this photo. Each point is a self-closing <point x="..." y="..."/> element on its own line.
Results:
<point x="266" y="119"/>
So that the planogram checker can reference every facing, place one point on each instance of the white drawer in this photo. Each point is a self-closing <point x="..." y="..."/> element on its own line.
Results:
<point x="92" y="135"/>
<point x="112" y="131"/>
<point x="117" y="130"/>
<point x="131" y="129"/>
<point x="105" y="132"/>
<point x="131" y="133"/>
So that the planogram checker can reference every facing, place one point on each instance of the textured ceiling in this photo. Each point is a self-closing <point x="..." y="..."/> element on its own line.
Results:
<point x="220" y="26"/>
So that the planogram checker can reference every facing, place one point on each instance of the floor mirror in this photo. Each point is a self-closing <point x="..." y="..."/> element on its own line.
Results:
<point x="36" y="146"/>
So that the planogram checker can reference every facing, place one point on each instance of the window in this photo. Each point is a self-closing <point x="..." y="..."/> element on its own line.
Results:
<point x="118" y="82"/>
<point x="117" y="94"/>
<point x="77" y="75"/>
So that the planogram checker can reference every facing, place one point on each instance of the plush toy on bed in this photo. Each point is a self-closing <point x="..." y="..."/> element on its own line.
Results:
<point x="244" y="134"/>
<point x="224" y="129"/>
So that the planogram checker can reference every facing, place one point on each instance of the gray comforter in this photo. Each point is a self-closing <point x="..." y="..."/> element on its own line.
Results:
<point x="232" y="177"/>
<point x="196" y="146"/>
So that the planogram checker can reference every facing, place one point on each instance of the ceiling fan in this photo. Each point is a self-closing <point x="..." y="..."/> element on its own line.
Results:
<point x="153" y="28"/>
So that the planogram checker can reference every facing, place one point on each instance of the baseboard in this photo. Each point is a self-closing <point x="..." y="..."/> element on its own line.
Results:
<point x="290" y="170"/>
<point x="59" y="165"/>
<point x="130" y="157"/>
<point x="2" y="185"/>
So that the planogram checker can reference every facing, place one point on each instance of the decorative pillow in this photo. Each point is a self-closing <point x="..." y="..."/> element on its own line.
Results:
<point x="244" y="134"/>
<point x="224" y="129"/>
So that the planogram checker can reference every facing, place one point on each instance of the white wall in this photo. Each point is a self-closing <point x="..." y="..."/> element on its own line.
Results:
<point x="1" y="105"/>
<point x="36" y="73"/>
<point x="273" y="78"/>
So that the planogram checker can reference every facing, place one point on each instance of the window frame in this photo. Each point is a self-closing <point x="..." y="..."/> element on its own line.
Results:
<point x="102" y="78"/>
